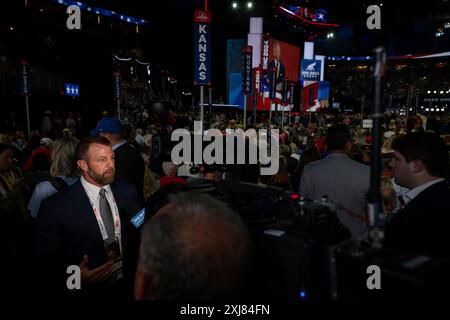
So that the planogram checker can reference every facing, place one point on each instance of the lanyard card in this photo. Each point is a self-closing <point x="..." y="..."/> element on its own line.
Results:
<point x="113" y="254"/>
<point x="138" y="219"/>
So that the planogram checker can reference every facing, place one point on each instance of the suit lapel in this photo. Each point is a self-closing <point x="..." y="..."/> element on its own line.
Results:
<point x="85" y="212"/>
<point x="420" y="201"/>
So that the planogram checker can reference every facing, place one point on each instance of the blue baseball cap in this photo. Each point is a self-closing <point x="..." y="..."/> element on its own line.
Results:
<point x="110" y="125"/>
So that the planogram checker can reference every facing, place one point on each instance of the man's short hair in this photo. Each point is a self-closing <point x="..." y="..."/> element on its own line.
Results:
<point x="427" y="147"/>
<point x="337" y="137"/>
<point x="199" y="249"/>
<point x="85" y="143"/>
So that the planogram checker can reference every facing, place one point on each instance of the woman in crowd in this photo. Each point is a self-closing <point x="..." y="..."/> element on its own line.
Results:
<point x="389" y="198"/>
<point x="62" y="172"/>
<point x="11" y="181"/>
<point x="15" y="236"/>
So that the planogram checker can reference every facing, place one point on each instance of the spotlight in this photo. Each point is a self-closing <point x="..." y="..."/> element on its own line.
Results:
<point x="249" y="5"/>
<point x="234" y="5"/>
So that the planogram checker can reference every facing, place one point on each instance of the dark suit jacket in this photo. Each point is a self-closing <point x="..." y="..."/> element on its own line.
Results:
<point x="423" y="225"/>
<point x="281" y="74"/>
<point x="67" y="229"/>
<point x="130" y="166"/>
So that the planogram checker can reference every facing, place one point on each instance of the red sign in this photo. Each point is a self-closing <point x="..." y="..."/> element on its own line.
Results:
<point x="202" y="16"/>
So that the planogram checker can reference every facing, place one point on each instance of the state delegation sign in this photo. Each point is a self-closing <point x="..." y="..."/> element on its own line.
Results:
<point x="202" y="47"/>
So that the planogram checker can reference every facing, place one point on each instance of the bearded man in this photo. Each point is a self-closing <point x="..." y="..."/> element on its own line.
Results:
<point x="84" y="239"/>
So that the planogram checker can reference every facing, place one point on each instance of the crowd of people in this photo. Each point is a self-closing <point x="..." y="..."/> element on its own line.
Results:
<point x="69" y="198"/>
<point x="403" y="78"/>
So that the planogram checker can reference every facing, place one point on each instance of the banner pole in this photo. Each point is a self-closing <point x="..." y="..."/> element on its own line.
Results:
<point x="245" y="111"/>
<point x="202" y="89"/>
<point x="27" y="107"/>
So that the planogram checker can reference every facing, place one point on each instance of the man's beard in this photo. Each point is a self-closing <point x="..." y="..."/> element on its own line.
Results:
<point x="102" y="179"/>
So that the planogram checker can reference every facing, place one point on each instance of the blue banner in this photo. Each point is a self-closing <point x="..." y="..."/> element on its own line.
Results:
<point x="324" y="90"/>
<point x="324" y="94"/>
<point x="235" y="96"/>
<point x="310" y="70"/>
<point x="24" y="83"/>
<point x="247" y="75"/>
<point x="202" y="47"/>
<point x="72" y="90"/>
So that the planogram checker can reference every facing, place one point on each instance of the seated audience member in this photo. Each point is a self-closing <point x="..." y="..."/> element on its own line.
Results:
<point x="40" y="158"/>
<point x="170" y="170"/>
<point x="281" y="178"/>
<point x="150" y="183"/>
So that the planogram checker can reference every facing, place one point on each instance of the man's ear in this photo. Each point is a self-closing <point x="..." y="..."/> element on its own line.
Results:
<point x="417" y="166"/>
<point x="82" y="164"/>
<point x="143" y="285"/>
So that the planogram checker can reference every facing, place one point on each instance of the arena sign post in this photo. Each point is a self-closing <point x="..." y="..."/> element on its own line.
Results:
<point x="202" y="53"/>
<point x="25" y="91"/>
<point x="247" y="77"/>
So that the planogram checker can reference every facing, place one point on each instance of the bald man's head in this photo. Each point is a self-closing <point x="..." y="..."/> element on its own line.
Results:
<point x="194" y="247"/>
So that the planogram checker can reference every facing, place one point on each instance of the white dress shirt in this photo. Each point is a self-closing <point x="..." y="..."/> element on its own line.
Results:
<point x="93" y="192"/>
<point x="411" y="194"/>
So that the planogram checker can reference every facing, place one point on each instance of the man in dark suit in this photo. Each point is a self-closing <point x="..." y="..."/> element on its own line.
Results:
<point x="88" y="225"/>
<point x="421" y="163"/>
<point x="130" y="165"/>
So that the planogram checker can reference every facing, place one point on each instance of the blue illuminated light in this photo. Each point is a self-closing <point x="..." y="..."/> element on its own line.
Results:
<point x="72" y="90"/>
<point x="302" y="294"/>
<point x="102" y="12"/>
<point x="339" y="58"/>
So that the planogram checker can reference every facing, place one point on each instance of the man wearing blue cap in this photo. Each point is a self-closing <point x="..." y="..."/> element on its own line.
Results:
<point x="129" y="163"/>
